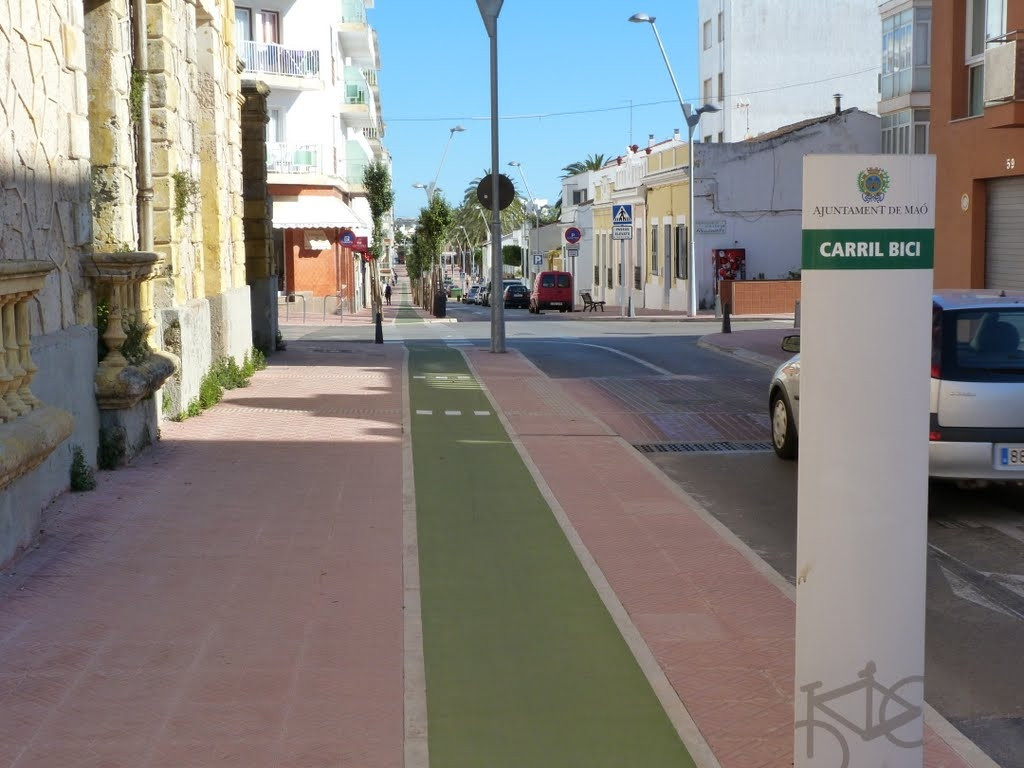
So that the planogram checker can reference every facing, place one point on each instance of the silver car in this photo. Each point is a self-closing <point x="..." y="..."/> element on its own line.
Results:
<point x="977" y="388"/>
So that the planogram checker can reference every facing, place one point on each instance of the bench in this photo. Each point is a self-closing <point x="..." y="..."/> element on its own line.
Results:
<point x="589" y="303"/>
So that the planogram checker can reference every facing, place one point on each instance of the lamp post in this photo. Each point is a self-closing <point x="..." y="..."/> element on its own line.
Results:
<point x="489" y="11"/>
<point x="469" y="245"/>
<point x="692" y="117"/>
<point x="536" y="212"/>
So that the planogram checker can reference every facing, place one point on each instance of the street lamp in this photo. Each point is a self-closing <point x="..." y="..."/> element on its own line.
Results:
<point x="692" y="118"/>
<point x="536" y="211"/>
<point x="469" y="245"/>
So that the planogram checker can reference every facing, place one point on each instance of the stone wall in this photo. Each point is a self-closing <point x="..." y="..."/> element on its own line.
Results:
<point x="45" y="216"/>
<point x="44" y="151"/>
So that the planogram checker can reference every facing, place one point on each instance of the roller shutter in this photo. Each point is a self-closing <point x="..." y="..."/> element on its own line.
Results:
<point x="1004" y="234"/>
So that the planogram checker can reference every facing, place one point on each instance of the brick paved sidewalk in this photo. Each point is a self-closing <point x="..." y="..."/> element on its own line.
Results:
<point x="720" y="628"/>
<point x="233" y="598"/>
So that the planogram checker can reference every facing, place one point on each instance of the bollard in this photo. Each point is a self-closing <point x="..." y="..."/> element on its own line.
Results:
<point x="726" y="322"/>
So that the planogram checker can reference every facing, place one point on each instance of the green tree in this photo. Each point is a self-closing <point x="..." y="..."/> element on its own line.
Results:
<point x="512" y="255"/>
<point x="381" y="197"/>
<point x="592" y="163"/>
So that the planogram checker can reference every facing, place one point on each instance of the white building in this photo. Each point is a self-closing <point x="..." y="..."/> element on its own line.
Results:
<point x="325" y="128"/>
<point x="749" y="194"/>
<point x="766" y="64"/>
<point x="905" y="83"/>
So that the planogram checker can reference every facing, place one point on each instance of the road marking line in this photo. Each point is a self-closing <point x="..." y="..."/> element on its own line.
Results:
<point x="453" y="413"/>
<point x="424" y="413"/>
<point x="481" y="413"/>
<point x="419" y="376"/>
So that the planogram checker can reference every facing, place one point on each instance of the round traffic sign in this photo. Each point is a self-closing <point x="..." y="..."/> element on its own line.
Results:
<point x="573" y="235"/>
<point x="506" y="192"/>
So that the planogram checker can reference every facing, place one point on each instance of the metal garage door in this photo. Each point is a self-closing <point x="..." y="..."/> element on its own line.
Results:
<point x="1004" y="234"/>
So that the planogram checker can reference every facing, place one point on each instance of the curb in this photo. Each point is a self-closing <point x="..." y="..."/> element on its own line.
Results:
<point x="743" y="354"/>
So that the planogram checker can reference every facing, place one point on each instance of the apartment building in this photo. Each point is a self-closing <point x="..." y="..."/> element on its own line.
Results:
<point x="766" y="64"/>
<point x="977" y="134"/>
<point x="904" y="98"/>
<point x="324" y="129"/>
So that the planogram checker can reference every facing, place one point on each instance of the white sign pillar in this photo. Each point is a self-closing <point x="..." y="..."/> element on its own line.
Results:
<point x="868" y="236"/>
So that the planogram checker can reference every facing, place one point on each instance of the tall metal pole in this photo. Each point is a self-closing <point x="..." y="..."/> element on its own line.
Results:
<point x="691" y="231"/>
<point x="489" y="10"/>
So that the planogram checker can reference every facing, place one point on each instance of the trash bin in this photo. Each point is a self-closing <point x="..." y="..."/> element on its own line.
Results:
<point x="440" y="303"/>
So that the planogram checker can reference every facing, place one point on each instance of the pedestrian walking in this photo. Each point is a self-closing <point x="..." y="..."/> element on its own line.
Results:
<point x="387" y="295"/>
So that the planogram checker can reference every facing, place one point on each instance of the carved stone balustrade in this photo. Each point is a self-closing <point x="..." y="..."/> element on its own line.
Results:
<point x="29" y="429"/>
<point x="118" y="277"/>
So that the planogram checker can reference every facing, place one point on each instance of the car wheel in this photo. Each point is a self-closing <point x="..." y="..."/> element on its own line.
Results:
<point x="784" y="437"/>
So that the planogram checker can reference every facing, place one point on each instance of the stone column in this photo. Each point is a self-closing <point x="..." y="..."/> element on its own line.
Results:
<point x="260" y="267"/>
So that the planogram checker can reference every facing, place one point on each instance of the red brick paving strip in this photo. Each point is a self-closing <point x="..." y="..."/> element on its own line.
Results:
<point x="233" y="598"/>
<point x="720" y="629"/>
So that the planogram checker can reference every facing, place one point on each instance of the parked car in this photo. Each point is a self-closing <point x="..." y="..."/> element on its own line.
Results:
<point x="977" y="389"/>
<point x="469" y="297"/>
<point x="552" y="290"/>
<point x="486" y="290"/>
<point x="517" y="295"/>
<point x="484" y="294"/>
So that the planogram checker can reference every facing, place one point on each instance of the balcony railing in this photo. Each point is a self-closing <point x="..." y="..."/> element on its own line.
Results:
<point x="353" y="11"/>
<point x="373" y="133"/>
<point x="297" y="158"/>
<point x="1004" y="68"/>
<point x="29" y="429"/>
<point x="274" y="59"/>
<point x="130" y="370"/>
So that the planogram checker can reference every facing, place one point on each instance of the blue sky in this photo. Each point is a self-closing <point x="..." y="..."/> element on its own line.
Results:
<point x="567" y="72"/>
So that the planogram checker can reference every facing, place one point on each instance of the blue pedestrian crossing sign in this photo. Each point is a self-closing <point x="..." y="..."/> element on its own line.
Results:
<point x="622" y="222"/>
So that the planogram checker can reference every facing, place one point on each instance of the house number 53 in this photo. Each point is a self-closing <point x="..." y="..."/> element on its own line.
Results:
<point x="1011" y="163"/>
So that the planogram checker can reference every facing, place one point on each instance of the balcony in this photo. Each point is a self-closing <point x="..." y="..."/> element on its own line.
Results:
<point x="282" y="67"/>
<point x="358" y="107"/>
<point x="354" y="33"/>
<point x="298" y="159"/>
<point x="1004" y="81"/>
<point x="30" y="430"/>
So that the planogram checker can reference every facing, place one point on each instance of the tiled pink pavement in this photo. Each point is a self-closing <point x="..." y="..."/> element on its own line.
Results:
<point x="232" y="598"/>
<point x="721" y="631"/>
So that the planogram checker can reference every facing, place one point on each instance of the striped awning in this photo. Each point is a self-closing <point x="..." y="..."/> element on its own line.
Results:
<point x="315" y="212"/>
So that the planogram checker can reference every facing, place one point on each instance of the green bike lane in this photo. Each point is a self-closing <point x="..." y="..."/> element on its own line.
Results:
<point x="524" y="665"/>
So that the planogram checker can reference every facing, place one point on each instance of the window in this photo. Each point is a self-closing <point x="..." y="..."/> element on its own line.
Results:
<point x="609" y="283"/>
<point x="905" y="132"/>
<point x="668" y="253"/>
<point x="275" y="125"/>
<point x="721" y="26"/>
<point x="708" y="95"/>
<point x="985" y="19"/>
<point x="721" y="86"/>
<point x="638" y="269"/>
<point x="243" y="23"/>
<point x="707" y="34"/>
<point x="654" y="249"/>
<point x="682" y="263"/>
<point x="721" y="136"/>
<point x="906" y="53"/>
<point x="597" y="276"/>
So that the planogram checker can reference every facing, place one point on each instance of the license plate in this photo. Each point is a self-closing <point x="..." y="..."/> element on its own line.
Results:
<point x="555" y="303"/>
<point x="1010" y="456"/>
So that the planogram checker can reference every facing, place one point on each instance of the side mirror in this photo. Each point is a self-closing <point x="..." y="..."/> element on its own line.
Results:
<point x="791" y="344"/>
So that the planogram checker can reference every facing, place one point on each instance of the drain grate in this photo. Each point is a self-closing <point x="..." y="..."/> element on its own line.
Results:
<point x="721" y="446"/>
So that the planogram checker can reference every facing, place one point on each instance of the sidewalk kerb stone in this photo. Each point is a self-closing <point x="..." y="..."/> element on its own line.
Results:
<point x="674" y="708"/>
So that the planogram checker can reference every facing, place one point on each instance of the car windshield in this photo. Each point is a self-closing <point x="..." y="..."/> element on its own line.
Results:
<point x="988" y="339"/>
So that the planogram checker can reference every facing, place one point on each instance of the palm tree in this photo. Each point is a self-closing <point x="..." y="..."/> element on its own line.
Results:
<point x="592" y="163"/>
